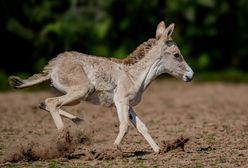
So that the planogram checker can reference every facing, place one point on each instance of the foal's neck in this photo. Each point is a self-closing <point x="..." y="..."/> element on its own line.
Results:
<point x="145" y="70"/>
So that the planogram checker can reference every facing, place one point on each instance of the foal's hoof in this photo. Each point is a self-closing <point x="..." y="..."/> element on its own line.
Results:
<point x="77" y="120"/>
<point x="117" y="147"/>
<point x="42" y="105"/>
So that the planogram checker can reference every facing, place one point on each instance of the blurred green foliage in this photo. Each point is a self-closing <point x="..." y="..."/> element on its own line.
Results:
<point x="229" y="76"/>
<point x="212" y="34"/>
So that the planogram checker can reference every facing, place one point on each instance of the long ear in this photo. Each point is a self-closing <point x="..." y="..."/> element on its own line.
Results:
<point x="160" y="32"/>
<point x="169" y="31"/>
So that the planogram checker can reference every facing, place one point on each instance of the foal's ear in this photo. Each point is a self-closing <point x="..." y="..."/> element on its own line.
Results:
<point x="160" y="32"/>
<point x="169" y="31"/>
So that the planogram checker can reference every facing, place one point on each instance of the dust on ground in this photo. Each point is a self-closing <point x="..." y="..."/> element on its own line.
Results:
<point x="211" y="118"/>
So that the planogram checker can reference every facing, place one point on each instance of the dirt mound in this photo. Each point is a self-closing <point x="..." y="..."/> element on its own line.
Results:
<point x="178" y="143"/>
<point x="60" y="145"/>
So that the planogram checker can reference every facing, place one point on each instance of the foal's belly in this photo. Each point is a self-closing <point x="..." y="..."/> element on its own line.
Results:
<point x="104" y="98"/>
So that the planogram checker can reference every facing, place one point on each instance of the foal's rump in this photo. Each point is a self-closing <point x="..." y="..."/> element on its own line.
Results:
<point x="63" y="71"/>
<point x="68" y="75"/>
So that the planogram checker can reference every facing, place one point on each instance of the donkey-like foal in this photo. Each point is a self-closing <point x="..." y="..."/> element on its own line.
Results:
<point x="109" y="81"/>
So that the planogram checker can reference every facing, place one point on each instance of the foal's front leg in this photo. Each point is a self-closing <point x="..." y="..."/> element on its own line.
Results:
<point x="122" y="107"/>
<point x="142" y="129"/>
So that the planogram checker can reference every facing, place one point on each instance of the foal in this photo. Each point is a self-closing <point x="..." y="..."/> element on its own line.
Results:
<point x="110" y="81"/>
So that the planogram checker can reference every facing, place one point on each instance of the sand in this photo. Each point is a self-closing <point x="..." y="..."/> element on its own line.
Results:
<point x="212" y="117"/>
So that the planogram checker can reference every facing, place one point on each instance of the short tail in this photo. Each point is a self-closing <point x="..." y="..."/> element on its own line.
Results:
<point x="17" y="82"/>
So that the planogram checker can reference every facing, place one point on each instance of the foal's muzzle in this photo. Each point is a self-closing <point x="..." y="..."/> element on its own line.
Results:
<point x="188" y="76"/>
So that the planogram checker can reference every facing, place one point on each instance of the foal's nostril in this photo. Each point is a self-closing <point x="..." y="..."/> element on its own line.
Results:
<point x="188" y="79"/>
<point x="188" y="76"/>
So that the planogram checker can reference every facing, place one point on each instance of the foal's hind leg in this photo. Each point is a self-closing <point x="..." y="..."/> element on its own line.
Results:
<point x="50" y="106"/>
<point x="68" y="77"/>
<point x="65" y="114"/>
<point x="53" y="104"/>
<point x="73" y="118"/>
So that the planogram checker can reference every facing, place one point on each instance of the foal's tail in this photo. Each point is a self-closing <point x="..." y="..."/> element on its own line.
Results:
<point x="17" y="82"/>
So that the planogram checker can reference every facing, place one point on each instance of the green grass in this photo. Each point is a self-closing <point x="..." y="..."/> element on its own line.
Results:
<point x="230" y="76"/>
<point x="53" y="164"/>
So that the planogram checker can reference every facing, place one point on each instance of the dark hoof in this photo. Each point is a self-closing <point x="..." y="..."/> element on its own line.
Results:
<point x="42" y="105"/>
<point x="77" y="120"/>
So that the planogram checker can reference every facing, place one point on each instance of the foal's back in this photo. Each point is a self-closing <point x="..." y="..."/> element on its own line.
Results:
<point x="70" y="71"/>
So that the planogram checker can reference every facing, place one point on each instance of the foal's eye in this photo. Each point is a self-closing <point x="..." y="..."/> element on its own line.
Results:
<point x="176" y="55"/>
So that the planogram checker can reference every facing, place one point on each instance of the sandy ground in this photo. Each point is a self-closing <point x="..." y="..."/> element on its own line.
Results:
<point x="213" y="116"/>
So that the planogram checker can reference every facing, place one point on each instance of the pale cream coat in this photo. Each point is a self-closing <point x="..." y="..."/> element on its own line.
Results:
<point x="109" y="81"/>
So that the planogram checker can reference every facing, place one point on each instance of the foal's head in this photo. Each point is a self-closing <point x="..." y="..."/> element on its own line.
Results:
<point x="172" y="61"/>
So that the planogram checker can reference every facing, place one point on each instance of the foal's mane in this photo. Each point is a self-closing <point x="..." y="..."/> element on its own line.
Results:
<point x="131" y="59"/>
<point x="138" y="53"/>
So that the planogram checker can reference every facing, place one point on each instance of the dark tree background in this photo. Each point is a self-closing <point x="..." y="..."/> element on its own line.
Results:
<point x="213" y="35"/>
